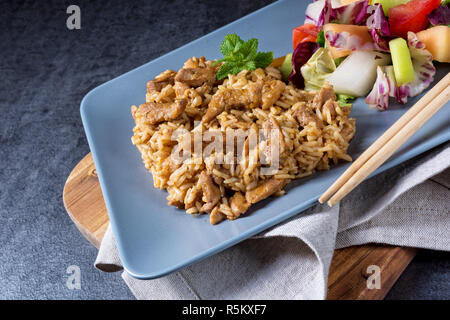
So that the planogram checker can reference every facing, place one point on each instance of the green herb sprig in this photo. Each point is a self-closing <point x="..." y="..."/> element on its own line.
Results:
<point x="241" y="55"/>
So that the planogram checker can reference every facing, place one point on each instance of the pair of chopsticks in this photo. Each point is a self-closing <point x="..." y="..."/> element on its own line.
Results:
<point x="383" y="148"/>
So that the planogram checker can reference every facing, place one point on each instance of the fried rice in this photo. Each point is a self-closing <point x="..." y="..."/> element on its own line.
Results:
<point x="312" y="132"/>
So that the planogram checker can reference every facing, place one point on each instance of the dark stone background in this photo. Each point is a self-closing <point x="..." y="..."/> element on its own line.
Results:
<point x="45" y="71"/>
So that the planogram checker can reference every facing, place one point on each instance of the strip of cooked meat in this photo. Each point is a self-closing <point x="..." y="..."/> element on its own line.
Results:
<point x="216" y="216"/>
<point x="238" y="204"/>
<point x="331" y="105"/>
<point x="154" y="86"/>
<point x="191" y="198"/>
<point x="226" y="98"/>
<point x="202" y="90"/>
<point x="271" y="92"/>
<point x="196" y="77"/>
<point x="180" y="88"/>
<point x="218" y="180"/>
<point x="158" y="112"/>
<point x="271" y="128"/>
<point x="211" y="193"/>
<point x="326" y="93"/>
<point x="304" y="115"/>
<point x="160" y="82"/>
<point x="264" y="190"/>
<point x="271" y="131"/>
<point x="252" y="137"/>
<point x="254" y="91"/>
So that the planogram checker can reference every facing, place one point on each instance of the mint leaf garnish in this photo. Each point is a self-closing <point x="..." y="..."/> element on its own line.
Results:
<point x="241" y="55"/>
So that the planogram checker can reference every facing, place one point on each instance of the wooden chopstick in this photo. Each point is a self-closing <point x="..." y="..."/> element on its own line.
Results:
<point x="411" y="121"/>
<point x="392" y="145"/>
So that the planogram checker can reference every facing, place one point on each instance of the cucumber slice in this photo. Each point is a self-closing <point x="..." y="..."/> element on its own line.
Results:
<point x="286" y="67"/>
<point x="401" y="60"/>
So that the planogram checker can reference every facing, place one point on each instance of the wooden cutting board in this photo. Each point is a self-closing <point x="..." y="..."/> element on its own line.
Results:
<point x="348" y="275"/>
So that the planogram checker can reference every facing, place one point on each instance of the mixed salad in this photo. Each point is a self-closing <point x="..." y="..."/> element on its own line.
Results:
<point x="377" y="48"/>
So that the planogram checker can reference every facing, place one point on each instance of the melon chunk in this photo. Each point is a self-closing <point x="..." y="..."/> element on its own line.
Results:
<point x="336" y="52"/>
<point x="356" y="75"/>
<point x="361" y="32"/>
<point x="437" y="41"/>
<point x="347" y="2"/>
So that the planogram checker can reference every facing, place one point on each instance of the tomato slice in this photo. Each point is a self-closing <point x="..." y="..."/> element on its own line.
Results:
<point x="305" y="33"/>
<point x="411" y="16"/>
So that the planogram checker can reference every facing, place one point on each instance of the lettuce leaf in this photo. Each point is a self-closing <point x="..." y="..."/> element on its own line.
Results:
<point x="345" y="100"/>
<point x="318" y="67"/>
<point x="338" y="61"/>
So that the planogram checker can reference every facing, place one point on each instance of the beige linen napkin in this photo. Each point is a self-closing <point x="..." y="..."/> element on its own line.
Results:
<point x="408" y="205"/>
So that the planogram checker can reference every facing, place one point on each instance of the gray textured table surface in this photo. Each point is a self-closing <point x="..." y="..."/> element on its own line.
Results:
<point x="45" y="71"/>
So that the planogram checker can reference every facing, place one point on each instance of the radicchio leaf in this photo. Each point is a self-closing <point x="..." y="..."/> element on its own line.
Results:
<point x="322" y="12"/>
<point x="357" y="13"/>
<point x="300" y="56"/>
<point x="318" y="12"/>
<point x="379" y="96"/>
<point x="378" y="26"/>
<point x="347" y="41"/>
<point x="424" y="70"/>
<point x="354" y="13"/>
<point x="399" y="93"/>
<point x="386" y="86"/>
<point x="440" y="15"/>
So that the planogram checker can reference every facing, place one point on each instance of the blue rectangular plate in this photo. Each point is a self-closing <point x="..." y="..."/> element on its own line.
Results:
<point x="154" y="239"/>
